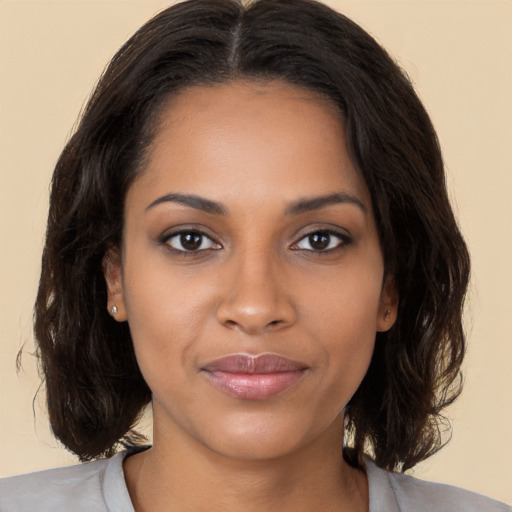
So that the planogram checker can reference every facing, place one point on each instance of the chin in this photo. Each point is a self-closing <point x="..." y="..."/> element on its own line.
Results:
<point x="267" y="438"/>
<point x="256" y="447"/>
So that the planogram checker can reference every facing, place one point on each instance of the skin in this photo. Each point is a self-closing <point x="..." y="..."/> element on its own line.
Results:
<point x="256" y="284"/>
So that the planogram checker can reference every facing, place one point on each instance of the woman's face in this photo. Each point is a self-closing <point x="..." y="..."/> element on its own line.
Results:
<point x="251" y="274"/>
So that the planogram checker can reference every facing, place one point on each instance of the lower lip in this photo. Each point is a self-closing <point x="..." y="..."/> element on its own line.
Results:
<point x="254" y="386"/>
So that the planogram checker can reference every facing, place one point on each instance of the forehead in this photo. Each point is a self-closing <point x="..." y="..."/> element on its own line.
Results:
<point x="247" y="93"/>
<point x="251" y="138"/>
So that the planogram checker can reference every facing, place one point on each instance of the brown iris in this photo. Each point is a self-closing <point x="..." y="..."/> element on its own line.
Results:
<point x="319" y="241"/>
<point x="191" y="241"/>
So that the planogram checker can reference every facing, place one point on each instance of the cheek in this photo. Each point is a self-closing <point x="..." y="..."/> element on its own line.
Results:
<point x="341" y="315"/>
<point x="167" y="311"/>
<point x="344" y="301"/>
<point x="346" y="352"/>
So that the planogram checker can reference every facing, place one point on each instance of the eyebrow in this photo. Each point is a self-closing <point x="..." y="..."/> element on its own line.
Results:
<point x="315" y="203"/>
<point x="297" y="207"/>
<point x="197" y="202"/>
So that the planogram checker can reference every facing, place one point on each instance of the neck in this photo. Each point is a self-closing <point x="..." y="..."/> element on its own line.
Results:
<point x="179" y="474"/>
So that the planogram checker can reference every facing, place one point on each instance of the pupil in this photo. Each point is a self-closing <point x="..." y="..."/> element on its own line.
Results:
<point x="191" y="241"/>
<point x="319" y="241"/>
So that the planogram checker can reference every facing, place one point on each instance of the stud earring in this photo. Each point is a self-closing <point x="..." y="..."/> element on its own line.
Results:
<point x="113" y="310"/>
<point x="387" y="314"/>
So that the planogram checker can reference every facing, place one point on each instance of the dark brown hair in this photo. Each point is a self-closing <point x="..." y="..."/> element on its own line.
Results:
<point x="95" y="391"/>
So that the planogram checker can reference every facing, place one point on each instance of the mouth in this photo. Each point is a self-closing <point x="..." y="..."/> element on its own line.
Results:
<point x="254" y="377"/>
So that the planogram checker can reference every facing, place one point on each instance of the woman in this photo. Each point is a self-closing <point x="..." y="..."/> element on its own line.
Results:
<point x="250" y="230"/>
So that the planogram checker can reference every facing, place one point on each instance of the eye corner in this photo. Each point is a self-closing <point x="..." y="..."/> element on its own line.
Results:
<point x="327" y="241"/>
<point x="189" y="242"/>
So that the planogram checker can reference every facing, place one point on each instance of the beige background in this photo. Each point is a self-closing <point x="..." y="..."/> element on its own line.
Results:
<point x="458" y="53"/>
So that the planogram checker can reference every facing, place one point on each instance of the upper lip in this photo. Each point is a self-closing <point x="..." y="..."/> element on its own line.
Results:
<point x="251" y="364"/>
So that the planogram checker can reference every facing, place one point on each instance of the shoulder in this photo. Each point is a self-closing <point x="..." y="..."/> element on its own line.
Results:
<point x="79" y="488"/>
<point x="394" y="492"/>
<point x="411" y="493"/>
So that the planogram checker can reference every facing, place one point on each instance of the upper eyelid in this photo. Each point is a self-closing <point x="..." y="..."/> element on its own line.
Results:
<point x="326" y="227"/>
<point x="341" y="233"/>
<point x="165" y="240"/>
<point x="344" y="238"/>
<point x="172" y="232"/>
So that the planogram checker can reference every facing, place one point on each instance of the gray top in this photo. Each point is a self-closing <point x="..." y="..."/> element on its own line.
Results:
<point x="100" y="486"/>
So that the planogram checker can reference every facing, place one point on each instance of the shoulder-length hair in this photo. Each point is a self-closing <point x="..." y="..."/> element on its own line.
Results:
<point x="95" y="391"/>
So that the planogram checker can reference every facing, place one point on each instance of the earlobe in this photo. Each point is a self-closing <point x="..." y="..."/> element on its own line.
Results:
<point x="111" y="265"/>
<point x="388" y="307"/>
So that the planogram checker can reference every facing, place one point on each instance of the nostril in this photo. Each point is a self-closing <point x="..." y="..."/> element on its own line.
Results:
<point x="233" y="324"/>
<point x="256" y="315"/>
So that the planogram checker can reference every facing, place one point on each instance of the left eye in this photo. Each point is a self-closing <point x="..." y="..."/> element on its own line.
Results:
<point x="191" y="241"/>
<point x="321" y="241"/>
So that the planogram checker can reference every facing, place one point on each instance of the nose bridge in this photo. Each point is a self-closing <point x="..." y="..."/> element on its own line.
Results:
<point x="255" y="299"/>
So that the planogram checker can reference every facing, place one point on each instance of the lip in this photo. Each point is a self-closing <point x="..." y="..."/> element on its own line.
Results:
<point x="254" y="377"/>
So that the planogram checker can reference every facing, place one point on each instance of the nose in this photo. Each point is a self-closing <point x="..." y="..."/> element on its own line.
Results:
<point x="255" y="299"/>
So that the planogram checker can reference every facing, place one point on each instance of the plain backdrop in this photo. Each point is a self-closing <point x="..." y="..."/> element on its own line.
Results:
<point x="458" y="54"/>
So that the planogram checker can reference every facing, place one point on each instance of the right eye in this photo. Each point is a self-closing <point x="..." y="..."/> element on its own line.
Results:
<point x="190" y="241"/>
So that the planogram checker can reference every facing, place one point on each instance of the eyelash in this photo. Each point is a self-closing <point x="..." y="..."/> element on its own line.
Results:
<point x="166" y="239"/>
<point x="344" y="240"/>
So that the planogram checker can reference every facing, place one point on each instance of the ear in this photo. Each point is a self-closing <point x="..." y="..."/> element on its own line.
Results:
<point x="388" y="306"/>
<point x="111" y="265"/>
